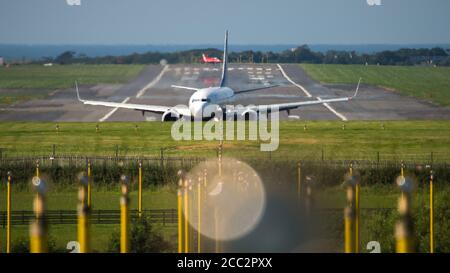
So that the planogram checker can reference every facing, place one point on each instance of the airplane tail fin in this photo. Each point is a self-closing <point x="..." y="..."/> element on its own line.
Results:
<point x="223" y="81"/>
<point x="204" y="57"/>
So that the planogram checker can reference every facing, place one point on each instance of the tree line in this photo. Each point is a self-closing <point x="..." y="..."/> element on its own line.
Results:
<point x="302" y="54"/>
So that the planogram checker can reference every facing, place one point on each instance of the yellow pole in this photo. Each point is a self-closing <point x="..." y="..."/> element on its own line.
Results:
<point x="38" y="227"/>
<point x="8" y="218"/>
<point x="404" y="228"/>
<point x="349" y="221"/>
<point x="124" y="217"/>
<point x="140" y="190"/>
<point x="357" y="211"/>
<point x="180" y="221"/>
<point x="186" y="217"/>
<point x="348" y="230"/>
<point x="89" y="203"/>
<point x="37" y="168"/>
<point x="199" y="218"/>
<point x="431" y="214"/>
<point x="83" y="215"/>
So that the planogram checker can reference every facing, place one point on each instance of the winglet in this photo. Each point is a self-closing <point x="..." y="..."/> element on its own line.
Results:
<point x="357" y="88"/>
<point x="78" y="92"/>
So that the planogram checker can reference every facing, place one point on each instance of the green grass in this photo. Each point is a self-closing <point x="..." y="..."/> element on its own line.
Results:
<point x="33" y="78"/>
<point x="413" y="140"/>
<point x="63" y="76"/>
<point x="429" y="83"/>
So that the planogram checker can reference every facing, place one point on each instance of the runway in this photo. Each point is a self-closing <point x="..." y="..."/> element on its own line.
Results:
<point x="153" y="86"/>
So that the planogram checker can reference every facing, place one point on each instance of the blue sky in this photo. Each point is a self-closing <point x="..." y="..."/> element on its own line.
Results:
<point x="204" y="21"/>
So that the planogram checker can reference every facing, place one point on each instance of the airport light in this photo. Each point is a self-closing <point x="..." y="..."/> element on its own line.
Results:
<point x="356" y="183"/>
<point x="180" y="199"/>
<point x="8" y="217"/>
<point x="83" y="211"/>
<point x="186" y="215"/>
<point x="310" y="180"/>
<point x="299" y="181"/>
<point x="199" y="212"/>
<point x="140" y="190"/>
<point x="38" y="227"/>
<point x="350" y="213"/>
<point x="124" y="216"/>
<point x="431" y="213"/>
<point x="37" y="168"/>
<point x="404" y="228"/>
<point x="89" y="185"/>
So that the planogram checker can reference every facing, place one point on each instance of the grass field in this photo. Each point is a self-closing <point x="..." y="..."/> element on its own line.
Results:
<point x="38" y="81"/>
<point x="429" y="83"/>
<point x="413" y="140"/>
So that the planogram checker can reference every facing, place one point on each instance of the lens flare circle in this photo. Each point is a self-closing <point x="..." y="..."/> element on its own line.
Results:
<point x="226" y="198"/>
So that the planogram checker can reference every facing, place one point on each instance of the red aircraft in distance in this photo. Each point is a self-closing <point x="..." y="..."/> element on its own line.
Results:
<point x="210" y="60"/>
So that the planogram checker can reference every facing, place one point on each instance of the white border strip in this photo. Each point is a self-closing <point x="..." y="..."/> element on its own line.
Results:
<point x="339" y="115"/>
<point x="113" y="111"/>
<point x="291" y="81"/>
<point x="152" y="83"/>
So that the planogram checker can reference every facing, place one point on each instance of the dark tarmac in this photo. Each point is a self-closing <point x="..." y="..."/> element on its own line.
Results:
<point x="152" y="86"/>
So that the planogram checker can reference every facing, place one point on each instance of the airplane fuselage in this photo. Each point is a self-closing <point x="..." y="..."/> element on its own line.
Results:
<point x="209" y="96"/>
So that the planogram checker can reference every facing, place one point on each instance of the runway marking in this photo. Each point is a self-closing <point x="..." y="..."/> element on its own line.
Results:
<point x="291" y="81"/>
<point x="339" y="115"/>
<point x="152" y="83"/>
<point x="249" y="68"/>
<point x="113" y="111"/>
<point x="241" y="68"/>
<point x="230" y="69"/>
<point x="206" y="69"/>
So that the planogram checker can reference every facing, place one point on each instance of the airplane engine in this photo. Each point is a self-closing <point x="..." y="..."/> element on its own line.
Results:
<point x="170" y="115"/>
<point x="249" y="115"/>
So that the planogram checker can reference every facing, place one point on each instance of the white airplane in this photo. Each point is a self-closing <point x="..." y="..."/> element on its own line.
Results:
<point x="213" y="97"/>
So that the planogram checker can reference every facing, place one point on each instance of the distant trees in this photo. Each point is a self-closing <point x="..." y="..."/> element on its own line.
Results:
<point x="65" y="58"/>
<point x="300" y="54"/>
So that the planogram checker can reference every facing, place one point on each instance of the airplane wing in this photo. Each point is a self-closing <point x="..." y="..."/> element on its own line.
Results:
<point x="185" y="87"/>
<point x="292" y="105"/>
<point x="140" y="107"/>
<point x="254" y="89"/>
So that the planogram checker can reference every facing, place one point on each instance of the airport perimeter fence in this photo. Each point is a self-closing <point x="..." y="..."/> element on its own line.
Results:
<point x="106" y="170"/>
<point x="69" y="217"/>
